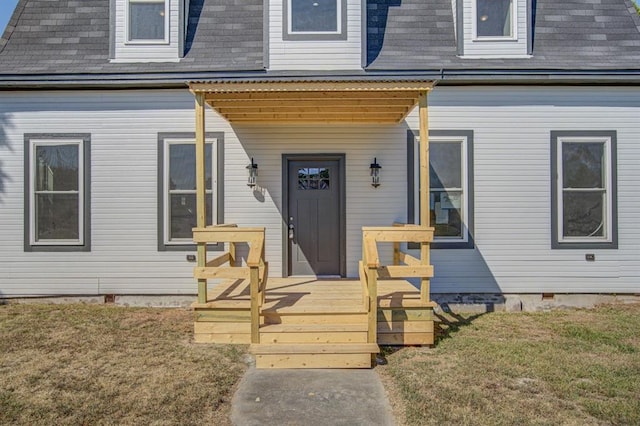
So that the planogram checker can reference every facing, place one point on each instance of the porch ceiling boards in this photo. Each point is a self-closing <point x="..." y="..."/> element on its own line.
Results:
<point x="294" y="102"/>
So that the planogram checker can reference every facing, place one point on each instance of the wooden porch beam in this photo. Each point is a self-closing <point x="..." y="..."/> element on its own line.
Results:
<point x="425" y="214"/>
<point x="201" y="205"/>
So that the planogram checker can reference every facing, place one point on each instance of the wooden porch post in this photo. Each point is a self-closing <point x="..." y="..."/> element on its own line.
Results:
<point x="425" y="213"/>
<point x="201" y="203"/>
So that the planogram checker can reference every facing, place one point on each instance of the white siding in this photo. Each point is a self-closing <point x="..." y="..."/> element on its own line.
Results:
<point x="146" y="52"/>
<point x="512" y="187"/>
<point x="315" y="55"/>
<point x="474" y="48"/>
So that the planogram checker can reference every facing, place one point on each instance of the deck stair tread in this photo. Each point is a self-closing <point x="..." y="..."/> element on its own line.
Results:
<point x="312" y="328"/>
<point x="315" y="309"/>
<point x="314" y="348"/>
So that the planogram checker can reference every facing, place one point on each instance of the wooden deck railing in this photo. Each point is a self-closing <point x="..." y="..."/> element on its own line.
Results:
<point x="404" y="265"/>
<point x="226" y="265"/>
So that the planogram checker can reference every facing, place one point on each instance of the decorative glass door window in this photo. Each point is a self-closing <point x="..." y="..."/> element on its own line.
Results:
<point x="314" y="178"/>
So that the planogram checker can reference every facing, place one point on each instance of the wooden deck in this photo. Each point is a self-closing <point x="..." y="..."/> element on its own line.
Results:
<point x="307" y="322"/>
<point x="314" y="323"/>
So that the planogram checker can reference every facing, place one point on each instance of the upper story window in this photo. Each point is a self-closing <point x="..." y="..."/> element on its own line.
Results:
<point x="315" y="19"/>
<point x="495" y="19"/>
<point x="148" y="21"/>
<point x="584" y="191"/>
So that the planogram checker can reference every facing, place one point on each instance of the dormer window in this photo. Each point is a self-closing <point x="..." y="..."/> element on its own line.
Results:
<point x="315" y="19"/>
<point x="495" y="19"/>
<point x="148" y="21"/>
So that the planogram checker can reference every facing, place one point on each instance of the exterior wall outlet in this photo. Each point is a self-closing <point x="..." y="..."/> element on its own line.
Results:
<point x="590" y="257"/>
<point x="191" y="258"/>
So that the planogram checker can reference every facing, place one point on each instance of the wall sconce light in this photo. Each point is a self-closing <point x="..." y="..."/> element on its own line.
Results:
<point x="375" y="173"/>
<point x="253" y="174"/>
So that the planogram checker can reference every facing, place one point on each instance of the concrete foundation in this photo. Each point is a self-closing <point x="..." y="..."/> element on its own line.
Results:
<point x="447" y="302"/>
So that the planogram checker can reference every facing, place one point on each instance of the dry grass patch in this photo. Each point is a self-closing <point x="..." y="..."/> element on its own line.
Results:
<point x="562" y="367"/>
<point x="92" y="364"/>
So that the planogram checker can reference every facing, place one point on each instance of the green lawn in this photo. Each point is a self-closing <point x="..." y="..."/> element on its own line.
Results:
<point x="561" y="367"/>
<point x="94" y="364"/>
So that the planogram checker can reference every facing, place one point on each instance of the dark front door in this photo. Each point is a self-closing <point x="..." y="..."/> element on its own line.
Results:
<point x="314" y="220"/>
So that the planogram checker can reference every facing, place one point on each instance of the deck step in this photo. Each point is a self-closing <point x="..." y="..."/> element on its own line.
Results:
<point x="343" y="355"/>
<point x="313" y="333"/>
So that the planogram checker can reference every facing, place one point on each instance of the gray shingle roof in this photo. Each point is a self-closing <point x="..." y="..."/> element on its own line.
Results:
<point x="567" y="35"/>
<point x="71" y="36"/>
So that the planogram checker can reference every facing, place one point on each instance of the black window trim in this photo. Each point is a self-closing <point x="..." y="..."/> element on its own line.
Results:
<point x="411" y="141"/>
<point x="162" y="137"/>
<point x="613" y="165"/>
<point x="86" y="159"/>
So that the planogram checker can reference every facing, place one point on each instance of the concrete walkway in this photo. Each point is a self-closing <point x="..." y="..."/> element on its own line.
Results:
<point x="310" y="398"/>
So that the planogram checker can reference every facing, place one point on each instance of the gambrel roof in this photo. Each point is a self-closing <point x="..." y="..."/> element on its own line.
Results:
<point x="70" y="39"/>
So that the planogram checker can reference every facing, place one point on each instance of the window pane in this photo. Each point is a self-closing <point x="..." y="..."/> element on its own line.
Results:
<point x="182" y="166"/>
<point x="57" y="217"/>
<point x="183" y="215"/>
<point x="445" y="213"/>
<point x="494" y="18"/>
<point x="583" y="214"/>
<point x="56" y="168"/>
<point x="445" y="160"/>
<point x="146" y="21"/>
<point x="583" y="165"/>
<point x="314" y="15"/>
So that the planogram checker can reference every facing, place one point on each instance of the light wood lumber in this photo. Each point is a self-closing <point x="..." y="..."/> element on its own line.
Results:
<point x="405" y="338"/>
<point x="221" y="272"/>
<point x="408" y="259"/>
<point x="405" y="327"/>
<point x="255" y="305"/>
<point x="401" y="271"/>
<point x="314" y="361"/>
<point x="219" y="261"/>
<point x="350" y="348"/>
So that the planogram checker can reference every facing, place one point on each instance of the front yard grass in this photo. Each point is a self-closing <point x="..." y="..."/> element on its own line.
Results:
<point x="97" y="364"/>
<point x="561" y="367"/>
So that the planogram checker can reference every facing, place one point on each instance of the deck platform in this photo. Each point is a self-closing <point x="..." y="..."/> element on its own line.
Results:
<point x="307" y="322"/>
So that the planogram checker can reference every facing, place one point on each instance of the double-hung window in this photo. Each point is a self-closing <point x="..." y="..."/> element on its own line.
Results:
<point x="495" y="19"/>
<point x="148" y="21"/>
<point x="450" y="188"/>
<point x="314" y="19"/>
<point x="177" y="187"/>
<point x="584" y="189"/>
<point x="57" y="192"/>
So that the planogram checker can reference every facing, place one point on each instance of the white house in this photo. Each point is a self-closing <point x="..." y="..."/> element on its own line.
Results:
<point x="534" y="136"/>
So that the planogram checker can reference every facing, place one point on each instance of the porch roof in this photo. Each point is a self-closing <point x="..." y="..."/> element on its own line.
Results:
<point x="312" y="101"/>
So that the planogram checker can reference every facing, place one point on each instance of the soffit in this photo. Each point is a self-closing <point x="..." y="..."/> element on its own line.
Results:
<point x="303" y="102"/>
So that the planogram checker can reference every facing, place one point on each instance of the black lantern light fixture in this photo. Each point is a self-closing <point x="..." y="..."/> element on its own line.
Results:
<point x="375" y="173"/>
<point x="253" y="174"/>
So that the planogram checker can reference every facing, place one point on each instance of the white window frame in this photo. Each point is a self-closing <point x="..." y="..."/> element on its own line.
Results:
<point x="607" y="190"/>
<point x="167" y="9"/>
<point x="338" y="31"/>
<point x="211" y="210"/>
<point x="33" y="144"/>
<point x="514" y="24"/>
<point x="465" y="202"/>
